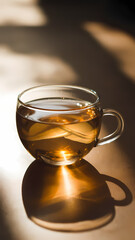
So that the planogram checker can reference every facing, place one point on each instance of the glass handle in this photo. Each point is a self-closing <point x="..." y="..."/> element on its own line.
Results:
<point x="117" y="133"/>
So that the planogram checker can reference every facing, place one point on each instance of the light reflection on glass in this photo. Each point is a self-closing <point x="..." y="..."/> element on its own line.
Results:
<point x="64" y="155"/>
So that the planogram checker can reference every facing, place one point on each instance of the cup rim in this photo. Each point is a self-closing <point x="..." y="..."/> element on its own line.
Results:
<point x="61" y="86"/>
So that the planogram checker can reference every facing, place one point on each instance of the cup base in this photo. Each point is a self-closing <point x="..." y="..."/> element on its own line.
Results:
<point x="62" y="162"/>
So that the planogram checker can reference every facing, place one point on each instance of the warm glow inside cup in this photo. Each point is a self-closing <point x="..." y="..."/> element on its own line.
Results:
<point x="60" y="124"/>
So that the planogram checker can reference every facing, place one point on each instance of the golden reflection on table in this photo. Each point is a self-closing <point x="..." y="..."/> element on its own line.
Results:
<point x="67" y="198"/>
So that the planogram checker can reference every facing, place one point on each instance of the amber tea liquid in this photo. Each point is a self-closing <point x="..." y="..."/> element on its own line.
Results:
<point x="65" y="132"/>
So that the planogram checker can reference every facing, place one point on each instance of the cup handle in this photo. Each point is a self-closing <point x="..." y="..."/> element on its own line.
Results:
<point x="117" y="133"/>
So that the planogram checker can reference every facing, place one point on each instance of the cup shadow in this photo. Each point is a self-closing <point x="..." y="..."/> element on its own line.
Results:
<point x="69" y="198"/>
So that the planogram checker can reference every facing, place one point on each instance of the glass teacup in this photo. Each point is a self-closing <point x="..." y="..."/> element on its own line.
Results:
<point x="60" y="123"/>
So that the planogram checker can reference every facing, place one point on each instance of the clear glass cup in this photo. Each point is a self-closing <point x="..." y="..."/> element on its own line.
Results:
<point x="61" y="124"/>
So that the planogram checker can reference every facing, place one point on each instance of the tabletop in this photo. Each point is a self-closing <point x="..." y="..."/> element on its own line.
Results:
<point x="90" y="45"/>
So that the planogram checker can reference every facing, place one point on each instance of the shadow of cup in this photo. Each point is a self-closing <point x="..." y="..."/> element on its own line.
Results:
<point x="69" y="198"/>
